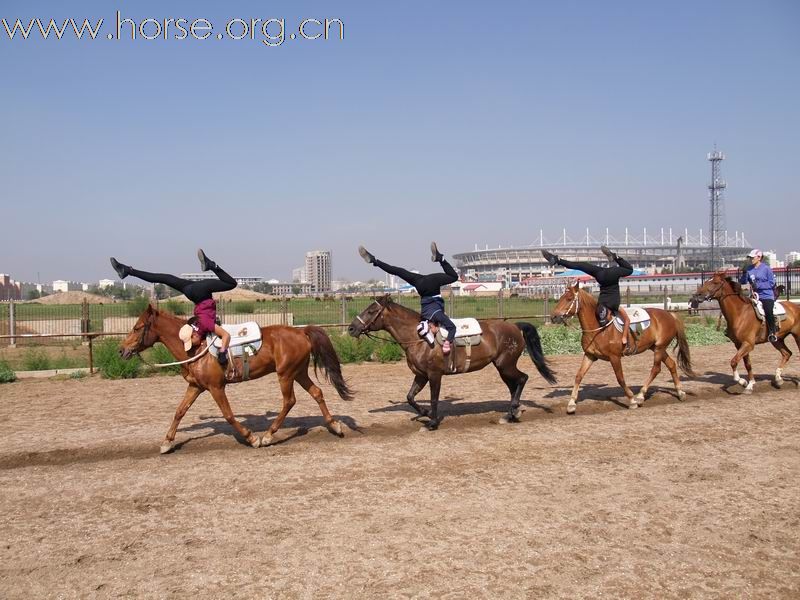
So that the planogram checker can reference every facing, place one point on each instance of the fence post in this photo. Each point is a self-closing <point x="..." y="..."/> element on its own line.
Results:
<point x="12" y="324"/>
<point x="344" y="311"/>
<point x="84" y="321"/>
<point x="666" y="304"/>
<point x="627" y="296"/>
<point x="284" y="310"/>
<point x="500" y="307"/>
<point x="452" y="311"/>
<point x="546" y="305"/>
<point x="91" y="356"/>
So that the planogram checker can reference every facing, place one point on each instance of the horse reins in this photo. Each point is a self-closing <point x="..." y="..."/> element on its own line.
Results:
<point x="576" y="303"/>
<point x="140" y="343"/>
<point x="366" y="332"/>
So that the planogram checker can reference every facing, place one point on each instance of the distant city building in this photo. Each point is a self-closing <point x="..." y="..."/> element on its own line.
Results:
<point x="792" y="258"/>
<point x="290" y="289"/>
<point x="28" y="289"/>
<point x="105" y="283"/>
<point x="318" y="270"/>
<point x="61" y="285"/>
<point x="772" y="257"/>
<point x="247" y="280"/>
<point x="9" y="289"/>
<point x="299" y="275"/>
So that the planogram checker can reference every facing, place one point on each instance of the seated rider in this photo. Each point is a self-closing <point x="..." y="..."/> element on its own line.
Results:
<point x="762" y="281"/>
<point x="199" y="292"/>
<point x="608" y="278"/>
<point x="428" y="287"/>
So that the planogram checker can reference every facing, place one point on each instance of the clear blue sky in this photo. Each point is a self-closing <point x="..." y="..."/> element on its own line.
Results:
<point x="465" y="122"/>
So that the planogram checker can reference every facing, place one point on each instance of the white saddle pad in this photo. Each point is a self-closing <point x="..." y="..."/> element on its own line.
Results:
<point x="778" y="310"/>
<point x="241" y="334"/>
<point x="640" y="319"/>
<point x="467" y="327"/>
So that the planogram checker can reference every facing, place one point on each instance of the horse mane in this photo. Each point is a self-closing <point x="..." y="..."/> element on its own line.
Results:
<point x="737" y="287"/>
<point x="403" y="309"/>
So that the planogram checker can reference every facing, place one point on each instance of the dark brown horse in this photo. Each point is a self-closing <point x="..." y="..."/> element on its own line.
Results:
<point x="744" y="329"/>
<point x="502" y="345"/>
<point x="285" y="351"/>
<point x="605" y="343"/>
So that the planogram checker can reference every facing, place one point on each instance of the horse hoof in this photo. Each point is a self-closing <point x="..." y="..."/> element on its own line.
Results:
<point x="778" y="383"/>
<point x="336" y="428"/>
<point x="747" y="390"/>
<point x="681" y="395"/>
<point x="639" y="398"/>
<point x="633" y="404"/>
<point x="254" y="441"/>
<point x="742" y="382"/>
<point x="266" y="440"/>
<point x="166" y="447"/>
<point x="570" y="409"/>
<point x="507" y="419"/>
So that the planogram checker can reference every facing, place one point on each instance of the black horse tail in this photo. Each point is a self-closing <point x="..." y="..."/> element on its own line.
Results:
<point x="683" y="356"/>
<point x="325" y="357"/>
<point x="534" y="345"/>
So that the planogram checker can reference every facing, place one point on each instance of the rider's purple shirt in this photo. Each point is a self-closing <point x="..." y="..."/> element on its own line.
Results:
<point x="206" y="313"/>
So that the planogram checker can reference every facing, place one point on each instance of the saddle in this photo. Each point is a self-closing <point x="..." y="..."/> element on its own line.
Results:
<point x="245" y="342"/>
<point x="468" y="332"/>
<point x="778" y="310"/>
<point x="640" y="318"/>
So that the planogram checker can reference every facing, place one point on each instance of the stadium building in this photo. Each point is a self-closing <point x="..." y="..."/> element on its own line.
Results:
<point x="673" y="251"/>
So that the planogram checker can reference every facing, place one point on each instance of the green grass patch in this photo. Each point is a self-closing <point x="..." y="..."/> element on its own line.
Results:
<point x="36" y="359"/>
<point x="111" y="365"/>
<point x="7" y="375"/>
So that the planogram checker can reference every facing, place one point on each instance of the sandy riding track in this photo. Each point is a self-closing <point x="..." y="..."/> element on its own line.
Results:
<point x="697" y="499"/>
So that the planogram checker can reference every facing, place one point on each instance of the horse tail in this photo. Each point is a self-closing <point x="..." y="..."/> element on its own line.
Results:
<point x="534" y="345"/>
<point x="683" y="356"/>
<point x="325" y="357"/>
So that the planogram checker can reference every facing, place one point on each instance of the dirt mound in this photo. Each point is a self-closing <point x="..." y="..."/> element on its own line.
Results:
<point x="235" y="295"/>
<point x="73" y="298"/>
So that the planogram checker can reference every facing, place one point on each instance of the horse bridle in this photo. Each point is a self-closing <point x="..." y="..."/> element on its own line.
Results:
<point x="711" y="295"/>
<point x="145" y="330"/>
<point x="576" y="303"/>
<point x="374" y="318"/>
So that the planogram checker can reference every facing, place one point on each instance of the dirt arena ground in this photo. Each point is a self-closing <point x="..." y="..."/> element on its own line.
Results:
<point x="699" y="499"/>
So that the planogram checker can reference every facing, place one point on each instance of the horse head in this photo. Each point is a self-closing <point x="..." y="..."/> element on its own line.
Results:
<point x="712" y="289"/>
<point x="567" y="306"/>
<point x="142" y="336"/>
<point x="371" y="318"/>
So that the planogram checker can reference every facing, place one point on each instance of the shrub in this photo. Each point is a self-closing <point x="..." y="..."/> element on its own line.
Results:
<point x="111" y="365"/>
<point x="160" y="354"/>
<point x="390" y="352"/>
<point x="175" y="307"/>
<point x="136" y="306"/>
<point x="244" y="307"/>
<point x="557" y="339"/>
<point x="6" y="374"/>
<point x="78" y="374"/>
<point x="36" y="359"/>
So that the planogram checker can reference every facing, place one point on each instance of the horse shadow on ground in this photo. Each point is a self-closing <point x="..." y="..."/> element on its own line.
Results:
<point x="726" y="383"/>
<point x="453" y="406"/>
<point x="597" y="392"/>
<point x="292" y="427"/>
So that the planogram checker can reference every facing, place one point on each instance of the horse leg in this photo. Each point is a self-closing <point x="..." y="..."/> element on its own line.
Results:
<point x="587" y="363"/>
<point x="658" y="356"/>
<point x="743" y="350"/>
<point x="192" y="392"/>
<point x="332" y="424"/>
<point x="287" y="391"/>
<point x="786" y="354"/>
<point x="435" y="386"/>
<point x="515" y="380"/>
<point x="222" y="401"/>
<point x="616" y="363"/>
<point x="416" y="387"/>
<point x="673" y="369"/>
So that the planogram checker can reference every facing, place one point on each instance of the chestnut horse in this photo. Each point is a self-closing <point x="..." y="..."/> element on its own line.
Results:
<point x="744" y="329"/>
<point x="605" y="343"/>
<point x="284" y="350"/>
<point x="502" y="344"/>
